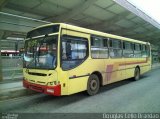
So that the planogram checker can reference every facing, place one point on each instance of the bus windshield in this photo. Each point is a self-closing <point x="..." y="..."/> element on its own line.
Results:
<point x="41" y="53"/>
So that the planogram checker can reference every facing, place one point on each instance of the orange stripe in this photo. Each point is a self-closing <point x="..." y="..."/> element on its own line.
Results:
<point x="130" y="63"/>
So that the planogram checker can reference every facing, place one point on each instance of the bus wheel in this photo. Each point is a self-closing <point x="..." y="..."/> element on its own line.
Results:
<point x="136" y="74"/>
<point x="93" y="85"/>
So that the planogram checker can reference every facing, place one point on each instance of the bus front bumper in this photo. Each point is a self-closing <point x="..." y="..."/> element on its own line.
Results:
<point x="50" y="90"/>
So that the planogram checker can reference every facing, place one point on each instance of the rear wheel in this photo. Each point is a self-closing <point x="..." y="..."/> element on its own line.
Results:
<point x="136" y="74"/>
<point x="93" y="85"/>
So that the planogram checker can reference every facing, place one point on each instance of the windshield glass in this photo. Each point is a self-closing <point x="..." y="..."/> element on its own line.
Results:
<point x="41" y="53"/>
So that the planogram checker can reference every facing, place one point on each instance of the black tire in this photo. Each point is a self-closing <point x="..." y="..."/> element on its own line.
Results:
<point x="93" y="85"/>
<point x="136" y="74"/>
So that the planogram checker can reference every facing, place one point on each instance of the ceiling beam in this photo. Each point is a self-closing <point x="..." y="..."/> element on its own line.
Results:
<point x="17" y="24"/>
<point x="25" y="10"/>
<point x="154" y="42"/>
<point x="3" y="3"/>
<point x="13" y="34"/>
<point x="6" y="34"/>
<point x="147" y="34"/>
<point x="1" y="35"/>
<point x="139" y="34"/>
<point x="73" y="12"/>
<point x="108" y="23"/>
<point x="132" y="28"/>
<point x="156" y="34"/>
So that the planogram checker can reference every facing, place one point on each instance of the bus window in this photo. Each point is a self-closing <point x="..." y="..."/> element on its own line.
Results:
<point x="74" y="51"/>
<point x="99" y="47"/>
<point x="144" y="51"/>
<point x="137" y="50"/>
<point x="148" y="50"/>
<point x="115" y="50"/>
<point x="128" y="49"/>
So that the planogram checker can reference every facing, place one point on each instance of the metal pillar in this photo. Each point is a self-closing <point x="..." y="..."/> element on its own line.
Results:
<point x="1" y="77"/>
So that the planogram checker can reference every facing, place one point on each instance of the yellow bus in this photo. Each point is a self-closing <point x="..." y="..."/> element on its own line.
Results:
<point x="62" y="59"/>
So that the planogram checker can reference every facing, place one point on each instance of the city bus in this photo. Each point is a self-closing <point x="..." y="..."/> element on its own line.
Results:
<point x="62" y="59"/>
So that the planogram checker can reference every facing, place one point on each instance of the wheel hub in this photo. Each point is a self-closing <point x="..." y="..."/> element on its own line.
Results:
<point x="93" y="85"/>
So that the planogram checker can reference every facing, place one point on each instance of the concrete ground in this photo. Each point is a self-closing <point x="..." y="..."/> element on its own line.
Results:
<point x="13" y="89"/>
<point x="126" y="96"/>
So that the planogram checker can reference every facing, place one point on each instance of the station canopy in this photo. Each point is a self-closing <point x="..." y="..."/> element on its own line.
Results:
<point x="118" y="17"/>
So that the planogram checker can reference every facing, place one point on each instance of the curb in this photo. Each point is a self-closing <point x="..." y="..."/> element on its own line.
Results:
<point x="16" y="92"/>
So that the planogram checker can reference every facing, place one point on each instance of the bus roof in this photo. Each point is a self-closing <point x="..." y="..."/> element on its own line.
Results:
<point x="93" y="32"/>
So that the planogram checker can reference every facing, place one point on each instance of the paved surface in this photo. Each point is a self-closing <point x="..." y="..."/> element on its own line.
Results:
<point x="10" y="85"/>
<point x="12" y="73"/>
<point x="12" y="90"/>
<point x="155" y="65"/>
<point x="124" y="96"/>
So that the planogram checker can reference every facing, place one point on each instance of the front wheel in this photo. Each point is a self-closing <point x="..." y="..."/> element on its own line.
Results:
<point x="93" y="85"/>
<point x="136" y="74"/>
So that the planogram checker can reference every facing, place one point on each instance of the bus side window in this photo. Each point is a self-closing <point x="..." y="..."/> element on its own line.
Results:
<point x="148" y="50"/>
<point x="144" y="51"/>
<point x="99" y="47"/>
<point x="137" y="50"/>
<point x="68" y="49"/>
<point x="128" y="49"/>
<point x="115" y="48"/>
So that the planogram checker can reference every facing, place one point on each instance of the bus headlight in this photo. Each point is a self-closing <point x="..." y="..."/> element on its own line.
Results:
<point x="50" y="83"/>
<point x="56" y="82"/>
<point x="53" y="83"/>
<point x="24" y="78"/>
